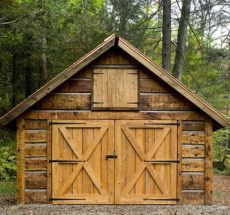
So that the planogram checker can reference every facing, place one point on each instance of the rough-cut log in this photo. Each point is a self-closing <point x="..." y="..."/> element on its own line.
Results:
<point x="208" y="162"/>
<point x="38" y="196"/>
<point x="192" y="151"/>
<point x="117" y="58"/>
<point x="20" y="161"/>
<point x="84" y="73"/>
<point x="35" y="124"/>
<point x="194" y="165"/>
<point x="36" y="180"/>
<point x="193" y="198"/>
<point x="75" y="86"/>
<point x="35" y="164"/>
<point x="178" y="115"/>
<point x="65" y="102"/>
<point x="164" y="102"/>
<point x="193" y="137"/>
<point x="193" y="126"/>
<point x="35" y="150"/>
<point x="32" y="136"/>
<point x="193" y="182"/>
<point x="152" y="86"/>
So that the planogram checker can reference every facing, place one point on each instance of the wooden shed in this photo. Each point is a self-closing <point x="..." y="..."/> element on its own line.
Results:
<point x="114" y="128"/>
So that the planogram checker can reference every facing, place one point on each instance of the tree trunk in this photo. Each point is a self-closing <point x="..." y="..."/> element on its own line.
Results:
<point x="14" y="81"/>
<point x="166" y="31"/>
<point x="44" y="75"/>
<point x="181" y="39"/>
<point x="28" y="80"/>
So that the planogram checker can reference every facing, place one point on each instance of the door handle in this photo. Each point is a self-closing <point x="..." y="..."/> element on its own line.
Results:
<point x="112" y="156"/>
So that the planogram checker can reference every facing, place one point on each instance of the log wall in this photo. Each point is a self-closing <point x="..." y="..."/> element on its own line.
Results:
<point x="72" y="101"/>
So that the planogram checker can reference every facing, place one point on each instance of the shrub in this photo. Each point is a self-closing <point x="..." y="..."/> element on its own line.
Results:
<point x="221" y="150"/>
<point x="7" y="155"/>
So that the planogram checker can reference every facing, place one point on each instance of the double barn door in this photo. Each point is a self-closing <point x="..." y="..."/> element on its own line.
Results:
<point x="114" y="162"/>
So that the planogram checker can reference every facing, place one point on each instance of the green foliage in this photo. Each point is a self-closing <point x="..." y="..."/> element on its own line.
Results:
<point x="221" y="150"/>
<point x="7" y="155"/>
<point x="7" y="187"/>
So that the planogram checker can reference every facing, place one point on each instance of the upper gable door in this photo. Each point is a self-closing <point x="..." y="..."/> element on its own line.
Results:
<point x="81" y="171"/>
<point x="115" y="88"/>
<point x="146" y="165"/>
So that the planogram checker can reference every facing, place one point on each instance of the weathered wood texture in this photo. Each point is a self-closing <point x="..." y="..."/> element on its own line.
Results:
<point x="72" y="101"/>
<point x="193" y="153"/>
<point x="20" y="161"/>
<point x="35" y="136"/>
<point x="36" y="180"/>
<point x="208" y="162"/>
<point x="38" y="196"/>
<point x="193" y="197"/>
<point x="65" y="102"/>
<point x="111" y="88"/>
<point x="35" y="161"/>
<point x="115" y="88"/>
<point x="191" y="182"/>
<point x="35" y="150"/>
<point x="78" y="115"/>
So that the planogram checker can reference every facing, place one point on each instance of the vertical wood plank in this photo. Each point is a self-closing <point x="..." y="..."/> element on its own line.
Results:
<point x="20" y="161"/>
<point x="77" y="137"/>
<point x="140" y="137"/>
<point x="111" y="163"/>
<point x="55" y="166"/>
<point x="104" y="88"/>
<point x="97" y="88"/>
<point x="119" y="88"/>
<point x="87" y="141"/>
<point x="49" y="157"/>
<point x="96" y="159"/>
<point x="179" y="166"/>
<point x="173" y="154"/>
<point x="111" y="87"/>
<point x="149" y="140"/>
<point x="208" y="162"/>
<point x="119" y="182"/>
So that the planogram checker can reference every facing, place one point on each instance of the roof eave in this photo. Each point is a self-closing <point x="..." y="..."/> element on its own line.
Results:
<point x="59" y="79"/>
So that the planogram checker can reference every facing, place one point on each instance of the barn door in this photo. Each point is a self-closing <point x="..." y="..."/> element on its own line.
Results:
<point x="82" y="171"/>
<point x="146" y="165"/>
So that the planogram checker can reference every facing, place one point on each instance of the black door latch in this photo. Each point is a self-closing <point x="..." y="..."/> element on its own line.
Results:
<point x="111" y="157"/>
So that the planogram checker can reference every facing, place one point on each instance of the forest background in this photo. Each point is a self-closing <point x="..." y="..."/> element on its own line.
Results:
<point x="40" y="38"/>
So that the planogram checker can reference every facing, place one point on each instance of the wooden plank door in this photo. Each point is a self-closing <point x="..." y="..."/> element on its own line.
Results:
<point x="81" y="172"/>
<point x="146" y="165"/>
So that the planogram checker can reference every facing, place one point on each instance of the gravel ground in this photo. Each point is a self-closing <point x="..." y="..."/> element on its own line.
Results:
<point x="221" y="205"/>
<point x="112" y="210"/>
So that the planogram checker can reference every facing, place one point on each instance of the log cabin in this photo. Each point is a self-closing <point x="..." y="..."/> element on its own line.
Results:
<point x="114" y="128"/>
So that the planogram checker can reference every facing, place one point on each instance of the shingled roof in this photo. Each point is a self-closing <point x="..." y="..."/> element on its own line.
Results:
<point x="108" y="43"/>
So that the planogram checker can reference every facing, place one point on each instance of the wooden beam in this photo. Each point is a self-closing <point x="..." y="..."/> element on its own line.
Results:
<point x="49" y="157"/>
<point x="208" y="162"/>
<point x="179" y="156"/>
<point x="20" y="161"/>
<point x="80" y="115"/>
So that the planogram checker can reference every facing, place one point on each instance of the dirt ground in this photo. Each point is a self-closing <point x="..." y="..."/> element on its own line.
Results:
<point x="221" y="205"/>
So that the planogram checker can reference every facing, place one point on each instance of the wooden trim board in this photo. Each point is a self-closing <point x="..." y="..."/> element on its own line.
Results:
<point x="20" y="161"/>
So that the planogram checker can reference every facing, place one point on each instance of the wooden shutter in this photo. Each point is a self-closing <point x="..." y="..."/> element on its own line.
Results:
<point x="81" y="174"/>
<point x="115" y="88"/>
<point x="146" y="168"/>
